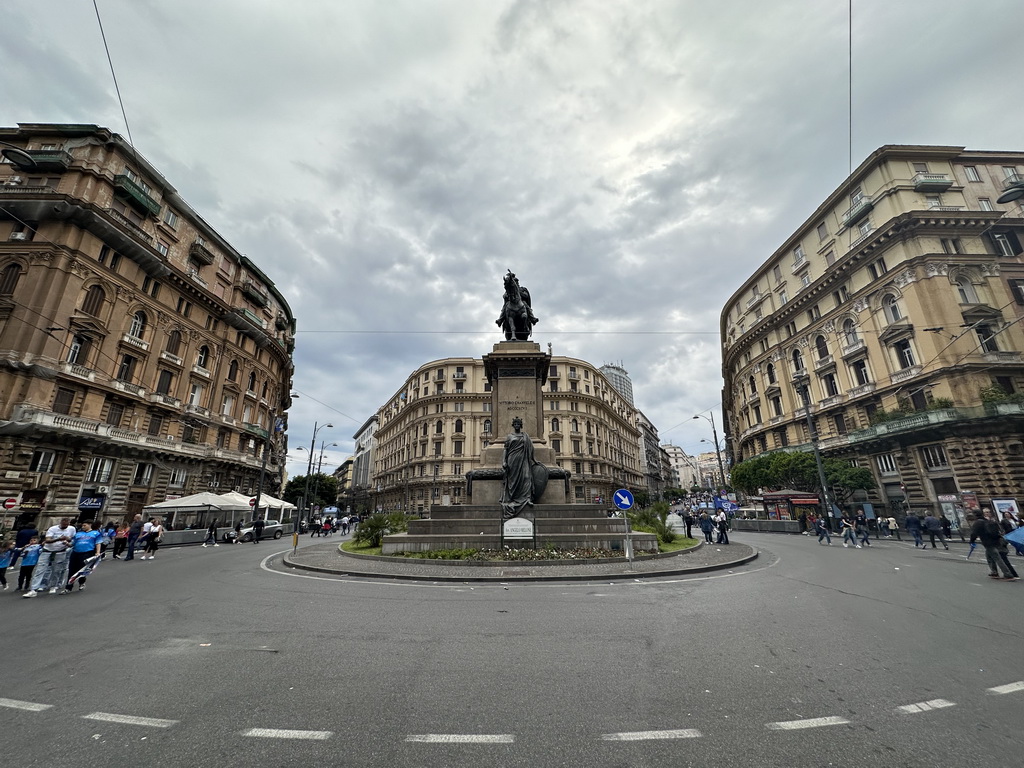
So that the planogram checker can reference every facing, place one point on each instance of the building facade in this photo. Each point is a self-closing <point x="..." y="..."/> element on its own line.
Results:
<point x="894" y="315"/>
<point x="618" y="377"/>
<point x="654" y="472"/>
<point x="685" y="471"/>
<point x="431" y="432"/>
<point x="141" y="357"/>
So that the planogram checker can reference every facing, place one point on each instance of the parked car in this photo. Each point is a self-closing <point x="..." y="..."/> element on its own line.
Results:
<point x="272" y="529"/>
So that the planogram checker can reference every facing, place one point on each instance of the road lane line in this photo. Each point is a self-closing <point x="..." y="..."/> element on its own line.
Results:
<point x="462" y="738"/>
<point x="813" y="722"/>
<point x="152" y="722"/>
<point x="925" y="706"/>
<point x="1008" y="688"/>
<point x="681" y="733"/>
<point x="27" y="705"/>
<point x="285" y="733"/>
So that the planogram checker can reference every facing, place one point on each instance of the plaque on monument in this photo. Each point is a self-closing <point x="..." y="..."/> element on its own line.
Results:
<point x="517" y="528"/>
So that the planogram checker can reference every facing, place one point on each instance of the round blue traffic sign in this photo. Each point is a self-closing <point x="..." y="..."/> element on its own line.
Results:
<point x="623" y="499"/>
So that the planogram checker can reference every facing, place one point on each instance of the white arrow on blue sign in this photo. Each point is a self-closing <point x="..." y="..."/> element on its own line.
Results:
<point x="623" y="499"/>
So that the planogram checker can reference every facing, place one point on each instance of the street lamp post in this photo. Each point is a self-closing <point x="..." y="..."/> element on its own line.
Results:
<point x="309" y="469"/>
<point x="319" y="466"/>
<point x="803" y="383"/>
<point x="718" y="452"/>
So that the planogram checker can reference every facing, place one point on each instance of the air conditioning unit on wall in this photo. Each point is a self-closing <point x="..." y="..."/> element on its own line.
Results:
<point x="104" y="489"/>
<point x="18" y="236"/>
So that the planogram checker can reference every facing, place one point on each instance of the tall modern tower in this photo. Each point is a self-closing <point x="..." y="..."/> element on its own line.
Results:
<point x="619" y="378"/>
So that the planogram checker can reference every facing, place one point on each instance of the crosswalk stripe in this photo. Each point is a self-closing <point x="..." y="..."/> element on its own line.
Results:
<point x="461" y="738"/>
<point x="813" y="722"/>
<point x="681" y="733"/>
<point x="925" y="706"/>
<point x="285" y="733"/>
<point x="1008" y="688"/>
<point x="26" y="705"/>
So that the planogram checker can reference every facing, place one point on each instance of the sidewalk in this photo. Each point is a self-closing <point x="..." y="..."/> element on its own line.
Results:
<point x="328" y="558"/>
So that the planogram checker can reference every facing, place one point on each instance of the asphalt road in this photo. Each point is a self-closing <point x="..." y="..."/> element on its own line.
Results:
<point x="809" y="656"/>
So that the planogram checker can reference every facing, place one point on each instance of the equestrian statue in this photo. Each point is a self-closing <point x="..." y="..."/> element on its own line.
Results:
<point x="517" y="318"/>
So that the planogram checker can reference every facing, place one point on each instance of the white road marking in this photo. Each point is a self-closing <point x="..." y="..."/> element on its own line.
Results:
<point x="284" y="733"/>
<point x="1009" y="688"/>
<point x="462" y="738"/>
<point x="925" y="706"/>
<point x="27" y="705"/>
<point x="682" y="733"/>
<point x="813" y="722"/>
<point x="152" y="722"/>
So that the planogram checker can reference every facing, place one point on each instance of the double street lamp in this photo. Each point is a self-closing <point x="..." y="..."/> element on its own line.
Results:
<point x="309" y="469"/>
<point x="718" y="451"/>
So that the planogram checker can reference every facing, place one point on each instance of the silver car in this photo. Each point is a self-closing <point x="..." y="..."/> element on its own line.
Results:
<point x="271" y="529"/>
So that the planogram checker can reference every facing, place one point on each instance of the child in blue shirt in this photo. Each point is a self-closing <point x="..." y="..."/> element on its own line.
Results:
<point x="7" y="553"/>
<point x="85" y="545"/>
<point x="29" y="558"/>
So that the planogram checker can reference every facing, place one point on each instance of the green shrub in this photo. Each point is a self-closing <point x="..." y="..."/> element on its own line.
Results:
<point x="372" y="530"/>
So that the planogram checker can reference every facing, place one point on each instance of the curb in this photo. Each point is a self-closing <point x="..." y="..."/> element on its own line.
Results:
<point x="441" y="576"/>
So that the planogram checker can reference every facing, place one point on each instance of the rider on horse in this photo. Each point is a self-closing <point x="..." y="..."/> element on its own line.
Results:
<point x="516" y="300"/>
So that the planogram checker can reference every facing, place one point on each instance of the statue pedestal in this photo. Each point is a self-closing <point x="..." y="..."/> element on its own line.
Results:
<point x="516" y="371"/>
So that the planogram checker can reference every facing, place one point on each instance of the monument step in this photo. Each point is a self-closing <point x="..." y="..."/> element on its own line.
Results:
<point x="403" y="542"/>
<point x="544" y="525"/>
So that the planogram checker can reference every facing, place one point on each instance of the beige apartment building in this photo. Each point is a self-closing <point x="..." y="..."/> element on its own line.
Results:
<point x="141" y="357"/>
<point x="896" y="307"/>
<point x="431" y="432"/>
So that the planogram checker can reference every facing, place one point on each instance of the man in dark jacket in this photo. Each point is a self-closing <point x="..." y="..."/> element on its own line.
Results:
<point x="257" y="529"/>
<point x="913" y="526"/>
<point x="987" y="529"/>
<point x="933" y="526"/>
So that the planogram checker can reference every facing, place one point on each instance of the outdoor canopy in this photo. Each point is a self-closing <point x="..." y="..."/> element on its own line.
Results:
<point x="204" y="500"/>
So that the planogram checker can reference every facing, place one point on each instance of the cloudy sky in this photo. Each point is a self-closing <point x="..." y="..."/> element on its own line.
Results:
<point x="632" y="161"/>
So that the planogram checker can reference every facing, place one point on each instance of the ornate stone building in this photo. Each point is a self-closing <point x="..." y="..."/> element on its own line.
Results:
<point x="431" y="431"/>
<point x="893" y="313"/>
<point x="141" y="356"/>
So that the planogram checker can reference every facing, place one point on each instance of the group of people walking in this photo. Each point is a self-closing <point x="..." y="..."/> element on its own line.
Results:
<point x="328" y="525"/>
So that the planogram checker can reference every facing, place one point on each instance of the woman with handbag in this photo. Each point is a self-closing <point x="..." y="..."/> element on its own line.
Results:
<point x="156" y="533"/>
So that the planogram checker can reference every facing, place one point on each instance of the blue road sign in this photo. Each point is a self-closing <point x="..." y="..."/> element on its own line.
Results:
<point x="623" y="499"/>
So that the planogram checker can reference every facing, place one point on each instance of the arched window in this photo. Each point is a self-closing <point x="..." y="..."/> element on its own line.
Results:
<point x="458" y="425"/>
<point x="9" y="279"/>
<point x="589" y="429"/>
<point x="138" y="326"/>
<point x="203" y="357"/>
<point x="822" y="346"/>
<point x="487" y="426"/>
<point x="251" y="386"/>
<point x="772" y="378"/>
<point x="555" y="425"/>
<point x="575" y="425"/>
<point x="850" y="333"/>
<point x="93" y="302"/>
<point x="173" y="343"/>
<point x="753" y="386"/>
<point x="893" y="313"/>
<point x="424" y="430"/>
<point x="798" y="360"/>
<point x="233" y="371"/>
<point x="966" y="292"/>
<point x="264" y="394"/>
<point x="439" y="428"/>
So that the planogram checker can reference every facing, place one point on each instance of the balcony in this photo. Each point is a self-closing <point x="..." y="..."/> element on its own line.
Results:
<point x="199" y="370"/>
<point x="197" y="278"/>
<point x="824" y="362"/>
<point x="1012" y="180"/>
<point x="255" y="429"/>
<point x="756" y="299"/>
<point x="253" y="318"/>
<point x="946" y="208"/>
<point x="79" y="371"/>
<point x="905" y="374"/>
<point x="171" y="358"/>
<point x="459" y="376"/>
<point x="199" y="252"/>
<point x="135" y="341"/>
<point x="228" y="420"/>
<point x="126" y="386"/>
<point x="800" y="264"/>
<point x="828" y="402"/>
<point x="852" y="349"/>
<point x="860" y="208"/>
<point x="134" y="229"/>
<point x="46" y="160"/>
<point x="197" y="410"/>
<point x="135" y="196"/>
<point x="162" y="399"/>
<point x="574" y="376"/>
<point x="863" y="389"/>
<point x="256" y="293"/>
<point x="932" y="182"/>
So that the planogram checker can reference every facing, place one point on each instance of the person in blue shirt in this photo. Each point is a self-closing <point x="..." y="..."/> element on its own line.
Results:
<point x="87" y="544"/>
<point x="7" y="553"/>
<point x="29" y="558"/>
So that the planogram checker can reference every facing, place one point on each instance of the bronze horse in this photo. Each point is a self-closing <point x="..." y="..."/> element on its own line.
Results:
<point x="517" y="317"/>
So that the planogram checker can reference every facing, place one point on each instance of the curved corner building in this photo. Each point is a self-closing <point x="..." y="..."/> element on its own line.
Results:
<point x="141" y="357"/>
<point x="897" y="306"/>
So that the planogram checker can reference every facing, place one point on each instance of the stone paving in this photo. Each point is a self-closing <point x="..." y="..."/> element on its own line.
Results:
<point x="327" y="558"/>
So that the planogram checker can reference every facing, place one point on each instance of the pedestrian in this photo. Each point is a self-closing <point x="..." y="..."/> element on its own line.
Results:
<point x="7" y="554"/>
<point x="53" y="560"/>
<point x="947" y="527"/>
<point x="861" y="524"/>
<point x="707" y="525"/>
<point x="156" y="533"/>
<point x="802" y="519"/>
<point x="211" y="534"/>
<point x="883" y="528"/>
<point x="238" y="532"/>
<point x="120" y="540"/>
<point x="913" y="526"/>
<point x="722" y="520"/>
<point x="107" y="534"/>
<point x="991" y="534"/>
<point x="328" y="527"/>
<point x="934" y="528"/>
<point x="848" y="532"/>
<point x="688" y="522"/>
<point x="344" y="525"/>
<point x="822" y="530"/>
<point x="257" y="530"/>
<point x="134" y="533"/>
<point x="29" y="558"/>
<point x="1009" y="524"/>
<point x="87" y="544"/>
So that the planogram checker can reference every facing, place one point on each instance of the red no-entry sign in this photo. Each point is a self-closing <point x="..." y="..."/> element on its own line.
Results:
<point x="10" y="503"/>
<point x="252" y="502"/>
